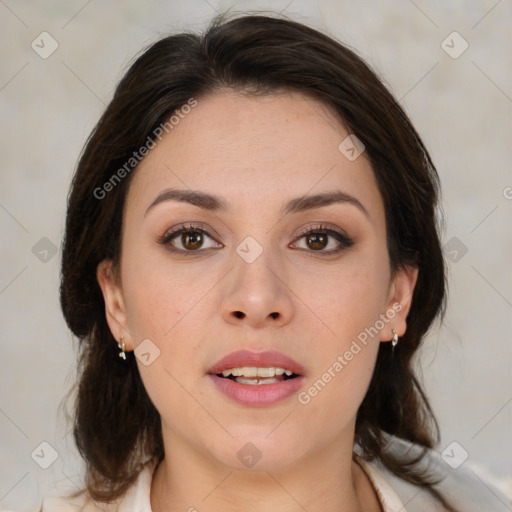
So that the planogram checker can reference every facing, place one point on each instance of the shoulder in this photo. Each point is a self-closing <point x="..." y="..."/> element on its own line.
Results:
<point x="136" y="499"/>
<point x="457" y="483"/>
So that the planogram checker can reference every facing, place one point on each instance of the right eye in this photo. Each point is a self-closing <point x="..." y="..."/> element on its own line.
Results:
<point x="187" y="239"/>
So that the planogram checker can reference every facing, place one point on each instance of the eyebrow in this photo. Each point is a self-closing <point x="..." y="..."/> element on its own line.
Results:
<point x="296" y="205"/>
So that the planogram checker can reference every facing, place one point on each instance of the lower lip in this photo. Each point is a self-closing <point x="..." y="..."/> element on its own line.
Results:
<point x="259" y="395"/>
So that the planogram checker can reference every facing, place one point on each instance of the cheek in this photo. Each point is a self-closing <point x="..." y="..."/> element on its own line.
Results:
<point x="348" y="298"/>
<point x="162" y="304"/>
<point x="166" y="303"/>
<point x="160" y="294"/>
<point x="337" y="386"/>
<point x="344" y="357"/>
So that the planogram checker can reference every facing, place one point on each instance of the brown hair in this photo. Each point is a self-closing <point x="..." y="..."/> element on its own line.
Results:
<point x="116" y="427"/>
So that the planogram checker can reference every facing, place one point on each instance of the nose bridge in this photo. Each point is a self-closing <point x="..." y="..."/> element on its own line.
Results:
<point x="257" y="293"/>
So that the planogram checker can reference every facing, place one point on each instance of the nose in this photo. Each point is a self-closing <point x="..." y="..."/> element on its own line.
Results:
<point x="257" y="294"/>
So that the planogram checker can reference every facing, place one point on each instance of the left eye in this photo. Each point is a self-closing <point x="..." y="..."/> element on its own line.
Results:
<point x="324" y="240"/>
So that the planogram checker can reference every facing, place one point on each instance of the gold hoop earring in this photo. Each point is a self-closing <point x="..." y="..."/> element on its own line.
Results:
<point x="122" y="346"/>
<point x="394" y="341"/>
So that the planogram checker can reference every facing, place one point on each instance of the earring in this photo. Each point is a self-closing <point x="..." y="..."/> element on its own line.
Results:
<point x="121" y="346"/>
<point x="394" y="341"/>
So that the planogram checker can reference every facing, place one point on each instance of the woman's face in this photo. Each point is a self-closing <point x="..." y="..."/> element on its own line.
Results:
<point x="246" y="278"/>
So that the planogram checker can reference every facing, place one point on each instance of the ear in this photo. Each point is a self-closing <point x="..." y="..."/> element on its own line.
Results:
<point x="399" y="302"/>
<point x="115" y="311"/>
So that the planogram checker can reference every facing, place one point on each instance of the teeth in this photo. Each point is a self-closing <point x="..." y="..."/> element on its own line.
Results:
<point x="252" y="371"/>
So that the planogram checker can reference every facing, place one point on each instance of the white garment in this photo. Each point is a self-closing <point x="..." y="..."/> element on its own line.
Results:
<point x="461" y="487"/>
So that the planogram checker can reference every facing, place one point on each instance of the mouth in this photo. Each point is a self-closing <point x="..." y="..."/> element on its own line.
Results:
<point x="255" y="376"/>
<point x="257" y="379"/>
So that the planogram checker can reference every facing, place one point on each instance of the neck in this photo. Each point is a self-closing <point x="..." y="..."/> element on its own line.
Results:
<point x="189" y="481"/>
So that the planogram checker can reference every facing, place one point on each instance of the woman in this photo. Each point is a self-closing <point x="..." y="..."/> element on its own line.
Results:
<point x="251" y="261"/>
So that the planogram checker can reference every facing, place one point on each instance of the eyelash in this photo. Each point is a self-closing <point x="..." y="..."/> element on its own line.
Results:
<point x="344" y="240"/>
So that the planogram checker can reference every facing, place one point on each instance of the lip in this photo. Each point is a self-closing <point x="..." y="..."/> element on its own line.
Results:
<point x="261" y="395"/>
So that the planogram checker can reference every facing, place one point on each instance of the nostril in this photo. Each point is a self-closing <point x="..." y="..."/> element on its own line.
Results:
<point x="239" y="314"/>
<point x="274" y="315"/>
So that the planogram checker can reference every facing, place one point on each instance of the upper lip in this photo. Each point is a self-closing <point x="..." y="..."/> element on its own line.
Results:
<point x="241" y="358"/>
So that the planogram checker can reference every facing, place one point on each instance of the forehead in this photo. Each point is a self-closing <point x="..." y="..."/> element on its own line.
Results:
<point x="251" y="148"/>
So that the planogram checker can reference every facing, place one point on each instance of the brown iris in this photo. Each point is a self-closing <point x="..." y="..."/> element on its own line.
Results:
<point x="317" y="241"/>
<point x="192" y="240"/>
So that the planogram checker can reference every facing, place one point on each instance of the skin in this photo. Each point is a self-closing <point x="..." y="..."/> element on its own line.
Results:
<point x="256" y="153"/>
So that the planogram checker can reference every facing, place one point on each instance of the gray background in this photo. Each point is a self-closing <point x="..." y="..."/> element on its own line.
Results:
<point x="461" y="106"/>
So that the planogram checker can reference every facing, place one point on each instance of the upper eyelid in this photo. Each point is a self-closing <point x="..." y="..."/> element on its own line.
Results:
<point x="189" y="226"/>
<point x="199" y="226"/>
<point x="323" y="226"/>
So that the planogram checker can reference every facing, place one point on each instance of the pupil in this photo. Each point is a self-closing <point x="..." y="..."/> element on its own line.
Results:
<point x="192" y="240"/>
<point x="317" y="241"/>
